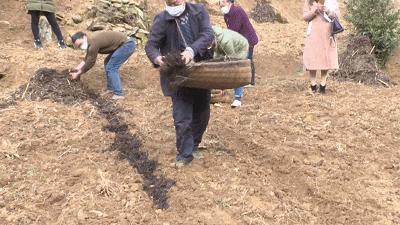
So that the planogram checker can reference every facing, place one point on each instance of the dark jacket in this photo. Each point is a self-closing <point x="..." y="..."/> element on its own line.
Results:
<point x="40" y="5"/>
<point x="164" y="37"/>
<point x="237" y="20"/>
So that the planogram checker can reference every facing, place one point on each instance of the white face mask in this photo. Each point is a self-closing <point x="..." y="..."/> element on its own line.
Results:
<point x="225" y="10"/>
<point x="175" y="10"/>
<point x="84" y="45"/>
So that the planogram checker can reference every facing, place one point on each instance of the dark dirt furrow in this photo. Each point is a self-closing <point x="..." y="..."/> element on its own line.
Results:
<point x="52" y="85"/>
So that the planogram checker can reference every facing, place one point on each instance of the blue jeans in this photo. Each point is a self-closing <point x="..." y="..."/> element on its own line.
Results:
<point x="239" y="91"/>
<point x="114" y="61"/>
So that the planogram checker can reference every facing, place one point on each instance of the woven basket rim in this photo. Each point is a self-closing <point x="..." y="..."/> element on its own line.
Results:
<point x="222" y="62"/>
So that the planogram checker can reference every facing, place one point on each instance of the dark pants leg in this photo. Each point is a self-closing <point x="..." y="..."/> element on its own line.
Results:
<point x="109" y="84"/>
<point x="201" y="116"/>
<point x="191" y="112"/>
<point x="51" y="18"/>
<point x="35" y="16"/>
<point x="253" y="69"/>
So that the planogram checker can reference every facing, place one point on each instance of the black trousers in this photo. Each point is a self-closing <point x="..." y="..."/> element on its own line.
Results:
<point x="191" y="113"/>
<point x="253" y="69"/>
<point x="51" y="18"/>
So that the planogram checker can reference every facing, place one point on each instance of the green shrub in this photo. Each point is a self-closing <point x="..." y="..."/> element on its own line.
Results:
<point x="378" y="20"/>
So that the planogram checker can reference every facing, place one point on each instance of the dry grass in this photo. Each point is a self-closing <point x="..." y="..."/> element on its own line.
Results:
<point x="105" y="186"/>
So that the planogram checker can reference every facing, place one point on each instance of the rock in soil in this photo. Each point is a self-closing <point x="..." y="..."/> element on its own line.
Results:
<point x="77" y="19"/>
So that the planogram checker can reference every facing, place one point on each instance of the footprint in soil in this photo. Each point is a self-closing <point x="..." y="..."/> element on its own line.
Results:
<point x="54" y="86"/>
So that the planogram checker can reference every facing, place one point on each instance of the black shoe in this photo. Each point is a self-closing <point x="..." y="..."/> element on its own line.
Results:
<point x="322" y="89"/>
<point x="38" y="44"/>
<point x="61" y="44"/>
<point x="313" y="88"/>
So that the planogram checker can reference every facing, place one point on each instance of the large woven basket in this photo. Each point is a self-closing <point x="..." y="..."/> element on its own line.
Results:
<point x="219" y="75"/>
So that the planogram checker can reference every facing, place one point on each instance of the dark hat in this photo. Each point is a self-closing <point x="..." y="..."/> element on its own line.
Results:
<point x="76" y="36"/>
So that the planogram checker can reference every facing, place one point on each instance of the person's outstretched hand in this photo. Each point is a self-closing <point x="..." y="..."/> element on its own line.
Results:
<point x="187" y="56"/>
<point x="75" y="74"/>
<point x="159" y="60"/>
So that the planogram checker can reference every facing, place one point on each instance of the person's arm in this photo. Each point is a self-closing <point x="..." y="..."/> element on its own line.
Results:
<point x="239" y="17"/>
<point x="156" y="38"/>
<point x="217" y="32"/>
<point x="78" y="70"/>
<point x="90" y="59"/>
<point x="79" y="67"/>
<point x="309" y="12"/>
<point x="206" y="36"/>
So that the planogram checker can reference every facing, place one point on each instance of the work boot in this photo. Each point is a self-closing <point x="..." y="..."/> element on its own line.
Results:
<point x="61" y="44"/>
<point x="322" y="89"/>
<point x="38" y="44"/>
<point x="313" y="88"/>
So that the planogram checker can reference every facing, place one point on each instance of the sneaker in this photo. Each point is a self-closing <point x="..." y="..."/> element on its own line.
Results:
<point x="198" y="155"/>
<point x="236" y="103"/>
<point x="38" y="44"/>
<point x="181" y="163"/>
<point x="61" y="44"/>
<point x="117" y="97"/>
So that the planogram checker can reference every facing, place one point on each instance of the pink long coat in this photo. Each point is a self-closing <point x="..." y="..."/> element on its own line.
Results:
<point x="320" y="51"/>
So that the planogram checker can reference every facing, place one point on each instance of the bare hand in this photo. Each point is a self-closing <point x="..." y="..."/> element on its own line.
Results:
<point x="74" y="70"/>
<point x="159" y="60"/>
<point x="187" y="56"/>
<point x="75" y="74"/>
<point x="321" y="8"/>
<point x="314" y="9"/>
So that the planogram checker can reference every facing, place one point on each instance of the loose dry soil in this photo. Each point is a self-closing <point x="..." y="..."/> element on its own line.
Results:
<point x="285" y="157"/>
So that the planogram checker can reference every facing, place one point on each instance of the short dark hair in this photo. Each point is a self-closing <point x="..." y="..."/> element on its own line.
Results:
<point x="77" y="35"/>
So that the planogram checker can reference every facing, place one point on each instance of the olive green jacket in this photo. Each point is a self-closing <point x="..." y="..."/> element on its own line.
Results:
<point x="41" y="5"/>
<point x="229" y="43"/>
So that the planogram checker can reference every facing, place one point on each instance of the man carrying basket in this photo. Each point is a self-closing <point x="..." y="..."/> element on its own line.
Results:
<point x="190" y="106"/>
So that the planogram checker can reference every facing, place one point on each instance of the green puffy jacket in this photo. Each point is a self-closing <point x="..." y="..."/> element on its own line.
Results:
<point x="41" y="5"/>
<point x="230" y="43"/>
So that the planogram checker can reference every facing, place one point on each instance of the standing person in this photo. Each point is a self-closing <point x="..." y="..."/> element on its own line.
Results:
<point x="36" y="8"/>
<point x="227" y="44"/>
<point x="236" y="19"/>
<point x="117" y="45"/>
<point x="190" y="106"/>
<point x="320" y="51"/>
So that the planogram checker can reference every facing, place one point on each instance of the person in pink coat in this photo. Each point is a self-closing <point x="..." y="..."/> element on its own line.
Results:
<point x="320" y="51"/>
